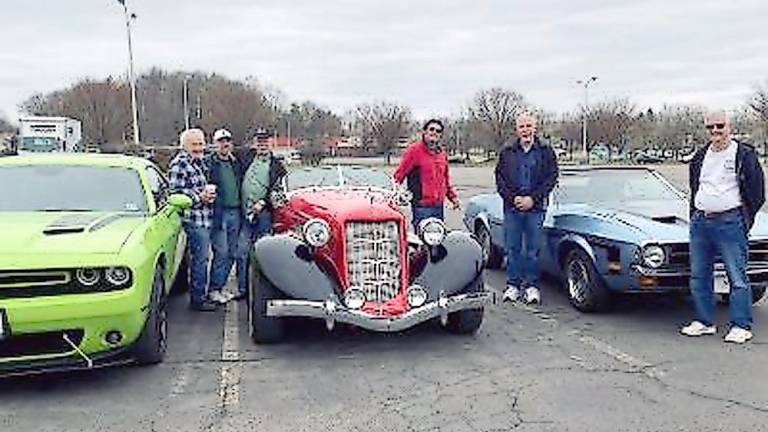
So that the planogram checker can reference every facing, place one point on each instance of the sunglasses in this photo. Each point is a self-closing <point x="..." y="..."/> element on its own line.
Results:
<point x="434" y="129"/>
<point x="715" y="126"/>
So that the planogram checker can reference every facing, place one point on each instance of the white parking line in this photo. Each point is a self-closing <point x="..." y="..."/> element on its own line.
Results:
<point x="229" y="380"/>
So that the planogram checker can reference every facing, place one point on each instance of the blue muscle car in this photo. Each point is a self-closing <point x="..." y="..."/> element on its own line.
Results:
<point x="610" y="230"/>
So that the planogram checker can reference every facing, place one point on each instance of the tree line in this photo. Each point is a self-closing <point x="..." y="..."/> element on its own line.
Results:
<point x="245" y="106"/>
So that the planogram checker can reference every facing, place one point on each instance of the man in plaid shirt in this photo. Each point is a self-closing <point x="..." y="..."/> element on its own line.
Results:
<point x="188" y="176"/>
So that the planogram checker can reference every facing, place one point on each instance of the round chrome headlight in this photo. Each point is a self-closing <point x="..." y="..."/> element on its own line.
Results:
<point x="432" y="231"/>
<point x="118" y="275"/>
<point x="653" y="256"/>
<point x="354" y="298"/>
<point x="88" y="276"/>
<point x="316" y="232"/>
<point x="417" y="296"/>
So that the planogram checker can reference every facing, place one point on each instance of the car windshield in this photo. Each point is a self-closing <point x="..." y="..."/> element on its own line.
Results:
<point x="71" y="188"/>
<point x="336" y="176"/>
<point x="612" y="186"/>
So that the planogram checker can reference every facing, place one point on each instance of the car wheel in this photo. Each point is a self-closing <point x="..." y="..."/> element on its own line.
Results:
<point x="263" y="329"/>
<point x="181" y="283"/>
<point x="152" y="344"/>
<point x="467" y="321"/>
<point x="586" y="289"/>
<point x="757" y="294"/>
<point x="492" y="256"/>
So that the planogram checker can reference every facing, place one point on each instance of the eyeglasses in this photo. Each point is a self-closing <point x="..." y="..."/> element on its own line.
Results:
<point x="434" y="129"/>
<point x="715" y="126"/>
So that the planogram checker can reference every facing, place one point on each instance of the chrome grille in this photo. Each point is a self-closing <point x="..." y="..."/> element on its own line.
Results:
<point x="373" y="258"/>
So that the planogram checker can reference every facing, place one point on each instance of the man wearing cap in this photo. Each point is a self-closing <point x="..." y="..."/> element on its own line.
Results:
<point x="727" y="190"/>
<point x="226" y="173"/>
<point x="187" y="175"/>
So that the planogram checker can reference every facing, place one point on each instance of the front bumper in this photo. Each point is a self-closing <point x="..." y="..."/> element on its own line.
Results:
<point x="70" y="363"/>
<point x="332" y="312"/>
<point x="678" y="279"/>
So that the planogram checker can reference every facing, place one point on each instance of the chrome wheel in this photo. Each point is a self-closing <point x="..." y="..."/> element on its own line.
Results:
<point x="578" y="280"/>
<point x="485" y="243"/>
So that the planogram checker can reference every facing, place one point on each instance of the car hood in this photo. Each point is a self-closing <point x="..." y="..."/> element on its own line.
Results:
<point x="351" y="204"/>
<point x="30" y="233"/>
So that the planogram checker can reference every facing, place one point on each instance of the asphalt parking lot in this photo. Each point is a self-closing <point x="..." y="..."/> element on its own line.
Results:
<point x="548" y="368"/>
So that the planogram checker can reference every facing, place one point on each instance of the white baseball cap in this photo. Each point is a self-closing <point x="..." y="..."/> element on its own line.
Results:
<point x="221" y="133"/>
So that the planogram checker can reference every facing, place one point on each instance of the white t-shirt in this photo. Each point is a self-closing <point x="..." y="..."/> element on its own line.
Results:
<point x="718" y="181"/>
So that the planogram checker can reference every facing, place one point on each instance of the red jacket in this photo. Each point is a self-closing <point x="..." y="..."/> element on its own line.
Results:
<point x="427" y="173"/>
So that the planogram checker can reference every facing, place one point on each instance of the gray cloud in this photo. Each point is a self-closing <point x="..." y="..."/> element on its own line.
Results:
<point x="432" y="55"/>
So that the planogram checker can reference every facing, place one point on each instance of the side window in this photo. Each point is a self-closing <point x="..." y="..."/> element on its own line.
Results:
<point x="159" y="186"/>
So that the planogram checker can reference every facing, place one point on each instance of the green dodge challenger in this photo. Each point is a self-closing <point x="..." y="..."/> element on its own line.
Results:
<point x="90" y="246"/>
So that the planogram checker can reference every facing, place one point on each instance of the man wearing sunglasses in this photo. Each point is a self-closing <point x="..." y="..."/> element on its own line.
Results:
<point x="727" y="190"/>
<point x="425" y="164"/>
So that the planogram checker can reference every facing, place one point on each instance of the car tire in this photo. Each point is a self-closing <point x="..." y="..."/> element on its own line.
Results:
<point x="181" y="282"/>
<point x="263" y="329"/>
<point x="151" y="346"/>
<point x="757" y="294"/>
<point x="492" y="256"/>
<point x="585" y="287"/>
<point x="467" y="321"/>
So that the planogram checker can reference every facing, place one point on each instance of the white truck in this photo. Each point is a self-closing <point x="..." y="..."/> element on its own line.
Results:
<point x="49" y="134"/>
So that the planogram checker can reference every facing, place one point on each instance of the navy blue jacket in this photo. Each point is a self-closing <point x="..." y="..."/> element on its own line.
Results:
<point x="213" y="163"/>
<point x="750" y="176"/>
<point x="543" y="177"/>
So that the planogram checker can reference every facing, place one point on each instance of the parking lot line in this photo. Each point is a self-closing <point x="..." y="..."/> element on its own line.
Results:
<point x="229" y="380"/>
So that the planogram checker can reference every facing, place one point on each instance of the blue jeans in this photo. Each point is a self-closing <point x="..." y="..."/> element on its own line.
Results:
<point x="423" y="212"/>
<point x="225" y="239"/>
<point x="725" y="236"/>
<point x="522" y="241"/>
<point x="198" y="246"/>
<point x="250" y="232"/>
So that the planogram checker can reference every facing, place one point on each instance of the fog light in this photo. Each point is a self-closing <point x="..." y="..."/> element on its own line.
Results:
<point x="113" y="337"/>
<point x="417" y="296"/>
<point x="354" y="298"/>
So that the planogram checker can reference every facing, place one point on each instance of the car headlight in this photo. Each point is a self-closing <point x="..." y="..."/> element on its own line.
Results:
<point x="118" y="276"/>
<point x="417" y="296"/>
<point x="653" y="256"/>
<point x="316" y="232"/>
<point x="88" y="276"/>
<point x="354" y="298"/>
<point x="432" y="231"/>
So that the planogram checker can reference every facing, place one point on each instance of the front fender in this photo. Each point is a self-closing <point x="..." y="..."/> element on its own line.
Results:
<point x="450" y="267"/>
<point x="288" y="263"/>
<point x="579" y="241"/>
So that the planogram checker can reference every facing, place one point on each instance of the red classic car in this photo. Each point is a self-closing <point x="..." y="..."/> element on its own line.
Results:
<point x="342" y="253"/>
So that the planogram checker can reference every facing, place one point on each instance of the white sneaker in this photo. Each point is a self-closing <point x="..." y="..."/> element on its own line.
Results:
<point x="511" y="294"/>
<point x="738" y="335"/>
<point x="532" y="295"/>
<point x="218" y="297"/>
<point x="697" y="328"/>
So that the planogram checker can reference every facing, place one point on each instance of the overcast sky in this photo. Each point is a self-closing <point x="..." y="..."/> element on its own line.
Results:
<point x="431" y="55"/>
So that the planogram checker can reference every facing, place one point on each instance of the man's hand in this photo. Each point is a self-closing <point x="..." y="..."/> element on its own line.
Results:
<point x="456" y="204"/>
<point x="207" y="197"/>
<point x="523" y="203"/>
<point x="258" y="206"/>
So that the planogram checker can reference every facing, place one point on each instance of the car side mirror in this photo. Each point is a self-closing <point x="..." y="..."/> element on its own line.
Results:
<point x="180" y="201"/>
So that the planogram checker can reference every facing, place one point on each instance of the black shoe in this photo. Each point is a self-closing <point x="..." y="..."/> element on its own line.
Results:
<point x="240" y="297"/>
<point x="204" y="306"/>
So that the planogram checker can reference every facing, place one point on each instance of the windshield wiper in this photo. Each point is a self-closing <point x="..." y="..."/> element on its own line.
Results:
<point x="61" y="210"/>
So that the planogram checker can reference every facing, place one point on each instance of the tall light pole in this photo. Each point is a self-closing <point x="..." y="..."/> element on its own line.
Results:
<point x="185" y="98"/>
<point x="134" y="110"/>
<point x="585" y="83"/>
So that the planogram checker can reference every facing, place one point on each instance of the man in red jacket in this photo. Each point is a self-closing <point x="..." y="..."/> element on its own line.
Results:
<point x="425" y="165"/>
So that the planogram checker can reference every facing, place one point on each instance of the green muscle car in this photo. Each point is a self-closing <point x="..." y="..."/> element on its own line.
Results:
<point x="90" y="246"/>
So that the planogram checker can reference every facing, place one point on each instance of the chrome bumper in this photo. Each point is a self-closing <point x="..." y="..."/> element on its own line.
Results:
<point x="333" y="312"/>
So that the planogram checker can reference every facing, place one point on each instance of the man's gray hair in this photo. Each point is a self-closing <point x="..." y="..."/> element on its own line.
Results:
<point x="188" y="134"/>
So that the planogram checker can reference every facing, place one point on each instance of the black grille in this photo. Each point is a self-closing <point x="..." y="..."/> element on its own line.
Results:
<point x="680" y="255"/>
<point x="19" y="284"/>
<point x="33" y="277"/>
<point x="36" y="344"/>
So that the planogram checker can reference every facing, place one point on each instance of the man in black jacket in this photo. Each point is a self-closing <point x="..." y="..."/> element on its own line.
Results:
<point x="526" y="173"/>
<point x="727" y="191"/>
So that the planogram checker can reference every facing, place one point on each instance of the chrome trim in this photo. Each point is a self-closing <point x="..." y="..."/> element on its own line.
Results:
<point x="752" y="269"/>
<point x="332" y="312"/>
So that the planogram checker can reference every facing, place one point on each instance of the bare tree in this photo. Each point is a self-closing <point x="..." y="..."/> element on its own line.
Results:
<point x="5" y="124"/>
<point x="384" y="124"/>
<point x="609" y="123"/>
<point x="495" y="109"/>
<point x="759" y="105"/>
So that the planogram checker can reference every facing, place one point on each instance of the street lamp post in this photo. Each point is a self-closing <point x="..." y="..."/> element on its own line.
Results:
<point x="135" y="112"/>
<point x="185" y="98"/>
<point x="585" y="83"/>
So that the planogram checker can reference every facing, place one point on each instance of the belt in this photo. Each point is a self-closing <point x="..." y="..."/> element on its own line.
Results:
<point x="708" y="214"/>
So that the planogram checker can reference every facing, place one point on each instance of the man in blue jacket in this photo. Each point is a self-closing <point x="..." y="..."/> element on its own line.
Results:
<point x="526" y="173"/>
<point x="727" y="190"/>
<point x="226" y="173"/>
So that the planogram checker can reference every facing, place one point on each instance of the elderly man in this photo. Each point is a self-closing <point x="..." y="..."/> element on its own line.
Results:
<point x="425" y="164"/>
<point x="262" y="176"/>
<point x="727" y="190"/>
<point x="226" y="172"/>
<point x="526" y="173"/>
<point x="188" y="176"/>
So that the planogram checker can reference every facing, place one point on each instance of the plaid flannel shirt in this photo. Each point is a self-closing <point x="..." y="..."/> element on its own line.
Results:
<point x="188" y="176"/>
